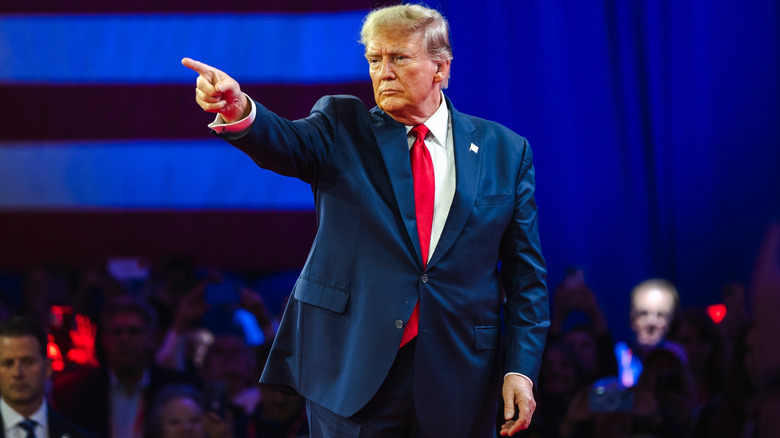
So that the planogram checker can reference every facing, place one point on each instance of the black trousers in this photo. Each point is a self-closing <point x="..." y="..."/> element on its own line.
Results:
<point x="389" y="414"/>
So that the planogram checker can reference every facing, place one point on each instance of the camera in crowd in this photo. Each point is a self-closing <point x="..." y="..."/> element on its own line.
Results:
<point x="608" y="395"/>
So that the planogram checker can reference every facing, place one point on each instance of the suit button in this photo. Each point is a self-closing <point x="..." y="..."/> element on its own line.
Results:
<point x="399" y="324"/>
<point x="424" y="278"/>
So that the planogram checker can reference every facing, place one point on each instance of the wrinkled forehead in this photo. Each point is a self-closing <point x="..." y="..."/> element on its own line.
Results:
<point x="394" y="42"/>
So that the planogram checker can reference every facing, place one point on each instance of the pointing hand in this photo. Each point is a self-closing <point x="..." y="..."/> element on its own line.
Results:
<point x="216" y="92"/>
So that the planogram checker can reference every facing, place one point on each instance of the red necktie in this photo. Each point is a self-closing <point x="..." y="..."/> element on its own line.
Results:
<point x="424" y="191"/>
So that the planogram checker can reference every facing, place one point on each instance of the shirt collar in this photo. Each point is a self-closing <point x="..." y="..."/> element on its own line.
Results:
<point x="11" y="418"/>
<point x="117" y="385"/>
<point x="438" y="123"/>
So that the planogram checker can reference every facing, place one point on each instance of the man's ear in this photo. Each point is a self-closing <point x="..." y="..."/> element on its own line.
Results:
<point x="442" y="71"/>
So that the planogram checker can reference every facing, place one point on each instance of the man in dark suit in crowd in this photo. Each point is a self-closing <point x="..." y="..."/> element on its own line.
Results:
<point x="112" y="400"/>
<point x="24" y="370"/>
<point x="417" y="205"/>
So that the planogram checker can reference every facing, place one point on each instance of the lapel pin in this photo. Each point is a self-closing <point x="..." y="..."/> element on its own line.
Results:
<point x="474" y="148"/>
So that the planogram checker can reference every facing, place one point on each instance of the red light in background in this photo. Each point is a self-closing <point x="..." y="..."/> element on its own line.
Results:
<point x="717" y="312"/>
<point x="54" y="353"/>
<point x="57" y="315"/>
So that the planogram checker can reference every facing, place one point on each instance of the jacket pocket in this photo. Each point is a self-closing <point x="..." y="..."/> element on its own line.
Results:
<point x="321" y="295"/>
<point x="486" y="337"/>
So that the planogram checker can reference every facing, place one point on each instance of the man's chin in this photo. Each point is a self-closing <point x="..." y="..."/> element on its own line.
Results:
<point x="18" y="397"/>
<point x="389" y="104"/>
<point x="649" y="341"/>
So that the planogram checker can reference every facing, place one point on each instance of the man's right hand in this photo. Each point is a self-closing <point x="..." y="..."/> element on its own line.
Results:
<point x="216" y="92"/>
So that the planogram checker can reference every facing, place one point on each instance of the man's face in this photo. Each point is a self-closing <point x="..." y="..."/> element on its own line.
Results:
<point x="227" y="361"/>
<point x="23" y="371"/>
<point x="584" y="346"/>
<point x="127" y="342"/>
<point x="407" y="83"/>
<point x="651" y="314"/>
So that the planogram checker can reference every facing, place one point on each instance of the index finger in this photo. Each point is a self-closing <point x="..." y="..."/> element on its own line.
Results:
<point x="208" y="72"/>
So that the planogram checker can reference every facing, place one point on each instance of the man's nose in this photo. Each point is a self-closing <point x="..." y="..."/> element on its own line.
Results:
<point x="388" y="71"/>
<point x="17" y="370"/>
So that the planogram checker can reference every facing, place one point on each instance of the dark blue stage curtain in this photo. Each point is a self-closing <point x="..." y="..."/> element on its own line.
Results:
<point x="655" y="127"/>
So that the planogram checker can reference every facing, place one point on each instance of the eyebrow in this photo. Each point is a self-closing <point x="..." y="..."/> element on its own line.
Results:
<point x="391" y="50"/>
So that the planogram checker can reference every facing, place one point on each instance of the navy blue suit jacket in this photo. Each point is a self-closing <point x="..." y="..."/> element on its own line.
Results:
<point x="59" y="427"/>
<point x="343" y="325"/>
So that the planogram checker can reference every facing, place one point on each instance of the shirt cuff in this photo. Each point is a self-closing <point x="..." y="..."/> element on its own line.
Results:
<point x="521" y="375"/>
<point x="221" y="127"/>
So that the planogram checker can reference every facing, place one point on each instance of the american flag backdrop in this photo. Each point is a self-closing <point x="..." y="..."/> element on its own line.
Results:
<point x="654" y="128"/>
<point x="103" y="151"/>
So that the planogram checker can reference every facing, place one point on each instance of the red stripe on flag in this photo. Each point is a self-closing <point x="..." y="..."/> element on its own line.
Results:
<point x="224" y="239"/>
<point x="67" y="112"/>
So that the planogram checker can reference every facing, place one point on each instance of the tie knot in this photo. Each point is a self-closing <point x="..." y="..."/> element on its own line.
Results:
<point x="420" y="131"/>
<point x="29" y="426"/>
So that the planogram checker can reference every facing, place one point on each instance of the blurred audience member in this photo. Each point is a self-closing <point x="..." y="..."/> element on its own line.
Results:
<point x="590" y="342"/>
<point x="168" y="285"/>
<point x="659" y="405"/>
<point x="179" y="411"/>
<point x="607" y="409"/>
<point x="765" y="289"/>
<point x="653" y="304"/>
<point x="95" y="288"/>
<point x="111" y="400"/>
<point x="183" y="345"/>
<point x="213" y="307"/>
<point x="43" y="287"/>
<point x="229" y="363"/>
<point x="667" y="376"/>
<point x="280" y="415"/>
<point x="560" y="377"/>
<point x="24" y="372"/>
<point x="705" y="348"/>
<point x="735" y="414"/>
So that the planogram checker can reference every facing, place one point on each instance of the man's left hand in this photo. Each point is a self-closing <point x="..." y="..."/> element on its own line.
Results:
<point x="519" y="404"/>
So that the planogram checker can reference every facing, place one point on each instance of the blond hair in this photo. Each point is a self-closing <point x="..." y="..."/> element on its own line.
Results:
<point x="410" y="19"/>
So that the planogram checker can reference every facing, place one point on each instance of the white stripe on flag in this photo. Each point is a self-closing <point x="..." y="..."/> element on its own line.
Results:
<point x="143" y="174"/>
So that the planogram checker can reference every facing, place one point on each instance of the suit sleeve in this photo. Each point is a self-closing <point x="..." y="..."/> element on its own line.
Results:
<point x="294" y="148"/>
<point x="524" y="277"/>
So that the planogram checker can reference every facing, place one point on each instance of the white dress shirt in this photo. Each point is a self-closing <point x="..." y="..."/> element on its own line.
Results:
<point x="128" y="412"/>
<point x="11" y="420"/>
<point x="440" y="146"/>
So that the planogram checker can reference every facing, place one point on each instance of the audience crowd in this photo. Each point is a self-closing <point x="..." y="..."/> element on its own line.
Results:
<point x="176" y="351"/>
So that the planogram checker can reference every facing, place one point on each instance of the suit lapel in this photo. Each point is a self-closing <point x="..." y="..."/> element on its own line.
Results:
<point x="52" y="418"/>
<point x="394" y="148"/>
<point x="467" y="165"/>
<point x="55" y="423"/>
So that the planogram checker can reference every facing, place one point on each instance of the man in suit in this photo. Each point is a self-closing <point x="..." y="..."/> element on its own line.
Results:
<point x="24" y="370"/>
<point x="112" y="400"/>
<point x="411" y="232"/>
